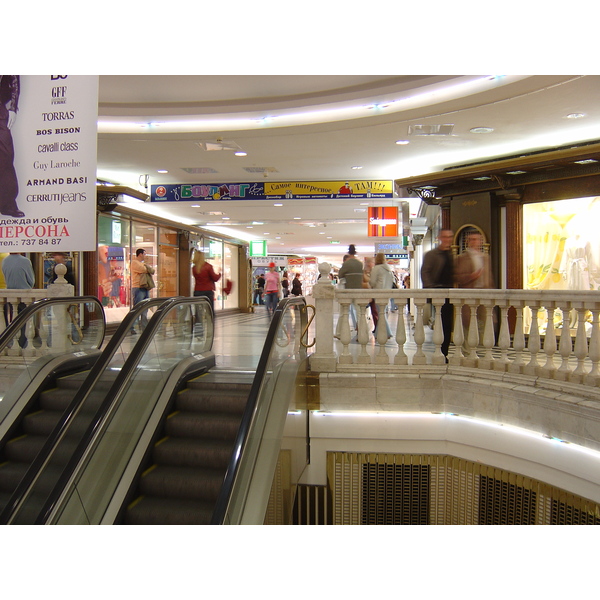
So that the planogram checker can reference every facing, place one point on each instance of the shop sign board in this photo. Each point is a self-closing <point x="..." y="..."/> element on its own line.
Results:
<point x="290" y="190"/>
<point x="383" y="221"/>
<point x="48" y="162"/>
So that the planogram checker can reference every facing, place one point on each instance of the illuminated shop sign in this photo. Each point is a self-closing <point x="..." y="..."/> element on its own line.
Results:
<point x="285" y="190"/>
<point x="383" y="221"/>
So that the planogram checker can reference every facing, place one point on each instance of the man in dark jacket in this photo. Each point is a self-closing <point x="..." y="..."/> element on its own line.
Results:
<point x="438" y="272"/>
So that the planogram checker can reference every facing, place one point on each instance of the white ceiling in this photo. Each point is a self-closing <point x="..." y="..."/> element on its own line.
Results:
<point x="344" y="121"/>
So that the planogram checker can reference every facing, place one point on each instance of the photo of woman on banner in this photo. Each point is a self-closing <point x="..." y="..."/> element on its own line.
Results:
<point x="9" y="186"/>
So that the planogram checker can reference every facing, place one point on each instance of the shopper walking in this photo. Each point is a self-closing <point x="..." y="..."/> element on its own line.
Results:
<point x="272" y="286"/>
<point x="139" y="290"/>
<point x="18" y="274"/>
<point x="205" y="278"/>
<point x="382" y="278"/>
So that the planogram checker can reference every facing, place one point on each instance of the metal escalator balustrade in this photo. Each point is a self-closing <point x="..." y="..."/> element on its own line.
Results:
<point x="108" y="424"/>
<point x="48" y="348"/>
<point x="274" y="396"/>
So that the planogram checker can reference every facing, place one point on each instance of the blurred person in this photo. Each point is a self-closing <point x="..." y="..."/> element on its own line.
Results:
<point x="285" y="285"/>
<point x="351" y="272"/>
<point x="437" y="271"/>
<point x="381" y="278"/>
<point x="472" y="271"/>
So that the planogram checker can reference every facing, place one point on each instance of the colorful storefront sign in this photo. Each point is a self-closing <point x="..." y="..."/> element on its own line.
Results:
<point x="294" y="190"/>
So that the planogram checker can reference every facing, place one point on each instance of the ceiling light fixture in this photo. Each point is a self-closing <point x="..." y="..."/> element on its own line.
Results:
<point x="356" y="168"/>
<point x="481" y="129"/>
<point x="278" y="204"/>
<point x="162" y="171"/>
<point x="402" y="142"/>
<point x="240" y="153"/>
<point x="575" y="116"/>
<point x="586" y="161"/>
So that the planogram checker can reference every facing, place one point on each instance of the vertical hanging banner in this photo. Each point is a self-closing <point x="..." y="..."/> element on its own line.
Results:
<point x="48" y="131"/>
<point x="383" y="221"/>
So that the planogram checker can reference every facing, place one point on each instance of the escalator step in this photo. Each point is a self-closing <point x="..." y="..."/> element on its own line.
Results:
<point x="11" y="474"/>
<point x="41" y="422"/>
<point x="188" y="452"/>
<point x="199" y="425"/>
<point x="24" y="448"/>
<point x="168" y="511"/>
<point x="216" y="401"/>
<point x="182" y="482"/>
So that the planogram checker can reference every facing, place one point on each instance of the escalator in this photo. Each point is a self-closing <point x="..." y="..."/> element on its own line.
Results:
<point x="51" y="345"/>
<point x="47" y="396"/>
<point x="176" y="440"/>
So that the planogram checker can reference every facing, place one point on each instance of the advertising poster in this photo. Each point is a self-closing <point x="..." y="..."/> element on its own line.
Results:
<point x="48" y="130"/>
<point x="289" y="190"/>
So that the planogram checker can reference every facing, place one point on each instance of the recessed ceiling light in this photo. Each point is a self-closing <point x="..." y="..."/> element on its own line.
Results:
<point x="402" y="142"/>
<point x="321" y="233"/>
<point x="249" y="227"/>
<point x="515" y="172"/>
<point x="575" y="116"/>
<point x="257" y="223"/>
<point x="162" y="171"/>
<point x="481" y="178"/>
<point x="586" y="161"/>
<point x="195" y="206"/>
<point x="225" y="218"/>
<point x="278" y="204"/>
<point x="297" y="218"/>
<point x="356" y="168"/>
<point x="241" y="153"/>
<point x="364" y="204"/>
<point x="481" y="130"/>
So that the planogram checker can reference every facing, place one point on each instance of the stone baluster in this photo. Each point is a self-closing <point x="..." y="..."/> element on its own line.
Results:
<point x="503" y="339"/>
<point x="534" y="343"/>
<point x="593" y="377"/>
<point x="581" y="347"/>
<point x="344" y="334"/>
<point x="565" y="346"/>
<point x="363" y="333"/>
<point x="458" y="334"/>
<point x="549" y="343"/>
<point x="382" y="357"/>
<point x="487" y="362"/>
<point x="472" y="334"/>
<point x="12" y="308"/>
<point x="419" y="357"/>
<point x="401" y="358"/>
<point x="518" y="340"/>
<point x="438" y="333"/>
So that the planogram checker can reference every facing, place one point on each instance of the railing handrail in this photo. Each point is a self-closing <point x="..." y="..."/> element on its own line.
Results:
<point x="80" y="396"/>
<point x="120" y="383"/>
<point x="243" y="431"/>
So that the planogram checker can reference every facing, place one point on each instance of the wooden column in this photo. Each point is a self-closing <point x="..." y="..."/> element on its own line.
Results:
<point x="514" y="245"/>
<point x="445" y="206"/>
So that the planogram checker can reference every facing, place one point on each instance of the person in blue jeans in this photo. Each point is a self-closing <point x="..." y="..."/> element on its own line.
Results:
<point x="272" y="285"/>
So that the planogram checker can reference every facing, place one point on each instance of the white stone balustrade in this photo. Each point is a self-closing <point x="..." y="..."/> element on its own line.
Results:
<point x="10" y="300"/>
<point x="524" y="332"/>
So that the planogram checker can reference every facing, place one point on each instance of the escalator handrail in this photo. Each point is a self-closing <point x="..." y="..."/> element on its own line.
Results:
<point x="244" y="429"/>
<point x="95" y="372"/>
<point x="21" y="319"/>
<point x="120" y="383"/>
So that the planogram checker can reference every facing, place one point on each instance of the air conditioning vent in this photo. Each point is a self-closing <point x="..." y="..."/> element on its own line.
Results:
<point x="260" y="169"/>
<point x="198" y="170"/>
<point x="445" y="129"/>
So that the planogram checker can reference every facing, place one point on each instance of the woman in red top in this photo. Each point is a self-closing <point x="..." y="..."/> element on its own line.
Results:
<point x="205" y="278"/>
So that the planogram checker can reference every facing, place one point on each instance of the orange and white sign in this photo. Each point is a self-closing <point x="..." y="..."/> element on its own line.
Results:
<point x="383" y="221"/>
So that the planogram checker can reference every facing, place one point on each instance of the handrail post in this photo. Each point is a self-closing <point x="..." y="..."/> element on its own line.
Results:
<point x="324" y="360"/>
